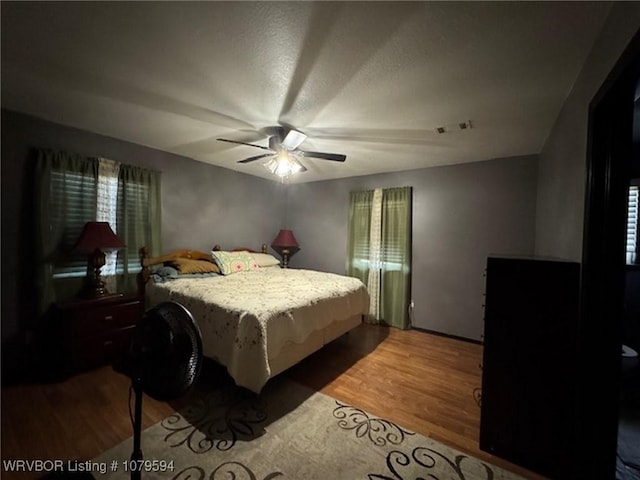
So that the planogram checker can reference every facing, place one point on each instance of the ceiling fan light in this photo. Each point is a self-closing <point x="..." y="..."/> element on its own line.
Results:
<point x="295" y="166"/>
<point x="283" y="165"/>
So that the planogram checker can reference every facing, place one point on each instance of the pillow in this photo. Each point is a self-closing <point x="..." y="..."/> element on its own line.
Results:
<point x="162" y="273"/>
<point x="265" y="260"/>
<point x="189" y="265"/>
<point x="232" y="262"/>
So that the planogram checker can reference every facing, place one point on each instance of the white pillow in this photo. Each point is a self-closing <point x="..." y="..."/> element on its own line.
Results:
<point x="265" y="260"/>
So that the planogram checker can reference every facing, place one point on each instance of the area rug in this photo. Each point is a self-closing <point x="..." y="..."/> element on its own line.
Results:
<point x="288" y="432"/>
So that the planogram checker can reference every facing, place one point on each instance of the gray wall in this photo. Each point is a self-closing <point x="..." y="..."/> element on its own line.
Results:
<point x="562" y="164"/>
<point x="201" y="204"/>
<point x="461" y="214"/>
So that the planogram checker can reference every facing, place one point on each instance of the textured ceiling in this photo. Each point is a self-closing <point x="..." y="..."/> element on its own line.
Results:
<point x="370" y="80"/>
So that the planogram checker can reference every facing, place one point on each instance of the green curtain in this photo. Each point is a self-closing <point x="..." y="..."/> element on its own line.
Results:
<point x="138" y="220"/>
<point x="395" y="250"/>
<point x="396" y="256"/>
<point x="358" y="232"/>
<point x="60" y="213"/>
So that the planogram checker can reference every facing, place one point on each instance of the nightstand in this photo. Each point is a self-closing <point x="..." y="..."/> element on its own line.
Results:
<point x="95" y="332"/>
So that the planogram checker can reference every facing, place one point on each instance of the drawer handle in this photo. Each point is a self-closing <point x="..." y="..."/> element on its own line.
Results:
<point x="108" y="343"/>
<point x="108" y="317"/>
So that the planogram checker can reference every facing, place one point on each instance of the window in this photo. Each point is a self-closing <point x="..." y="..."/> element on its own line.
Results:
<point x="390" y="244"/>
<point x="108" y="199"/>
<point x="632" y="225"/>
<point x="379" y="251"/>
<point x="71" y="190"/>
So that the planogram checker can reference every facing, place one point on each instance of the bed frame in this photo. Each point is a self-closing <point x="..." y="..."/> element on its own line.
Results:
<point x="147" y="261"/>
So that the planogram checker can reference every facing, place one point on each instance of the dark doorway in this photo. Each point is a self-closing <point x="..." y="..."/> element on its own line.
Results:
<point x="610" y="153"/>
<point x="628" y="456"/>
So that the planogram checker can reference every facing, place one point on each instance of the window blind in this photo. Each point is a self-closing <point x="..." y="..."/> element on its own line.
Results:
<point x="133" y="201"/>
<point x="393" y="246"/>
<point x="74" y="194"/>
<point x="361" y="244"/>
<point x="632" y="225"/>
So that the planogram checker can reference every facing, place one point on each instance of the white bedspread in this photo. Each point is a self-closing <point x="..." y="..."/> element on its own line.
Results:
<point x="248" y="317"/>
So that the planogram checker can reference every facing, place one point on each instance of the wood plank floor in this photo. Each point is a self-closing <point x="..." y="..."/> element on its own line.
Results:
<point x="423" y="382"/>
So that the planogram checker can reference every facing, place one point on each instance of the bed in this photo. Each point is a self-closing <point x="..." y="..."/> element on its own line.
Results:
<point x="256" y="319"/>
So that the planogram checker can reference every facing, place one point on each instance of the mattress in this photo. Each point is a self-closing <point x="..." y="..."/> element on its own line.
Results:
<point x="249" y="319"/>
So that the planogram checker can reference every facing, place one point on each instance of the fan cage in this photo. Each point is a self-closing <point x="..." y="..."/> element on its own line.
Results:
<point x="169" y="349"/>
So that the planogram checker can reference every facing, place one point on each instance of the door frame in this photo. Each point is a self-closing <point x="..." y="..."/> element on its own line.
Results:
<point x="609" y="154"/>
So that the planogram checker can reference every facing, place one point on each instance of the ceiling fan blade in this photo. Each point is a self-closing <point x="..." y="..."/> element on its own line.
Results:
<point x="243" y="143"/>
<point x="293" y="139"/>
<point x="336" y="157"/>
<point x="257" y="157"/>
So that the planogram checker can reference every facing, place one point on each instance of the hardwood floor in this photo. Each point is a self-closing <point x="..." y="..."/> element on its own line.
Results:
<point x="423" y="382"/>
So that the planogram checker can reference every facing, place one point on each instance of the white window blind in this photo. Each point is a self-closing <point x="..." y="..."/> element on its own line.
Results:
<point x="106" y="211"/>
<point x="632" y="225"/>
<point x="75" y="193"/>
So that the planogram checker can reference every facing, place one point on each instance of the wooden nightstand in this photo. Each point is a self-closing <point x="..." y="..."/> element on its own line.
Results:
<point x="96" y="332"/>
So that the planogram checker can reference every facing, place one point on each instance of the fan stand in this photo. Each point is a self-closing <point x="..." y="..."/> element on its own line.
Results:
<point x="136" y="454"/>
<point x="176" y="338"/>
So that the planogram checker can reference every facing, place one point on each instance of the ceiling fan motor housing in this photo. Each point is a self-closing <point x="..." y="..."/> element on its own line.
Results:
<point x="275" y="143"/>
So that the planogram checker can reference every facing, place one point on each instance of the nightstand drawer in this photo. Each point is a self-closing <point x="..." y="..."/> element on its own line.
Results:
<point x="103" y="318"/>
<point x="101" y="349"/>
<point x="97" y="331"/>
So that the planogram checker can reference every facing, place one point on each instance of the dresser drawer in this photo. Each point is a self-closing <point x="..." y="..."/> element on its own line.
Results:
<point x="103" y="318"/>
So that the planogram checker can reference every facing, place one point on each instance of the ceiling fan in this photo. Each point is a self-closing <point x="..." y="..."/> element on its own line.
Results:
<point x="284" y="155"/>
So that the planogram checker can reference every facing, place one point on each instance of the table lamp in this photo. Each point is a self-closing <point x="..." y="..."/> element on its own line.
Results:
<point x="94" y="239"/>
<point x="286" y="245"/>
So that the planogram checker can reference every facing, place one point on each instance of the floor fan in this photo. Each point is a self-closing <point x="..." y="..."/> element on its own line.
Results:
<point x="164" y="361"/>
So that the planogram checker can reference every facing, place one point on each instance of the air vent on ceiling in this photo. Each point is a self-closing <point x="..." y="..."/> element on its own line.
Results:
<point x="449" y="128"/>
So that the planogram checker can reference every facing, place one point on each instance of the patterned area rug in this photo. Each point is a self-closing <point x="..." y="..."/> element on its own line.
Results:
<point x="289" y="432"/>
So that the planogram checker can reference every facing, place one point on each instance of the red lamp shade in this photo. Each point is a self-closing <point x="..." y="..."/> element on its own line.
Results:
<point x="286" y="245"/>
<point x="284" y="239"/>
<point x="97" y="235"/>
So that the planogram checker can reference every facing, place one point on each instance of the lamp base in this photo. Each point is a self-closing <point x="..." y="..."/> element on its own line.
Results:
<point x="285" y="253"/>
<point x="93" y="285"/>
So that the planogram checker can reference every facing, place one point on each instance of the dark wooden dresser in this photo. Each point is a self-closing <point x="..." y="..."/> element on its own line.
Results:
<point x="96" y="332"/>
<point x="530" y="362"/>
